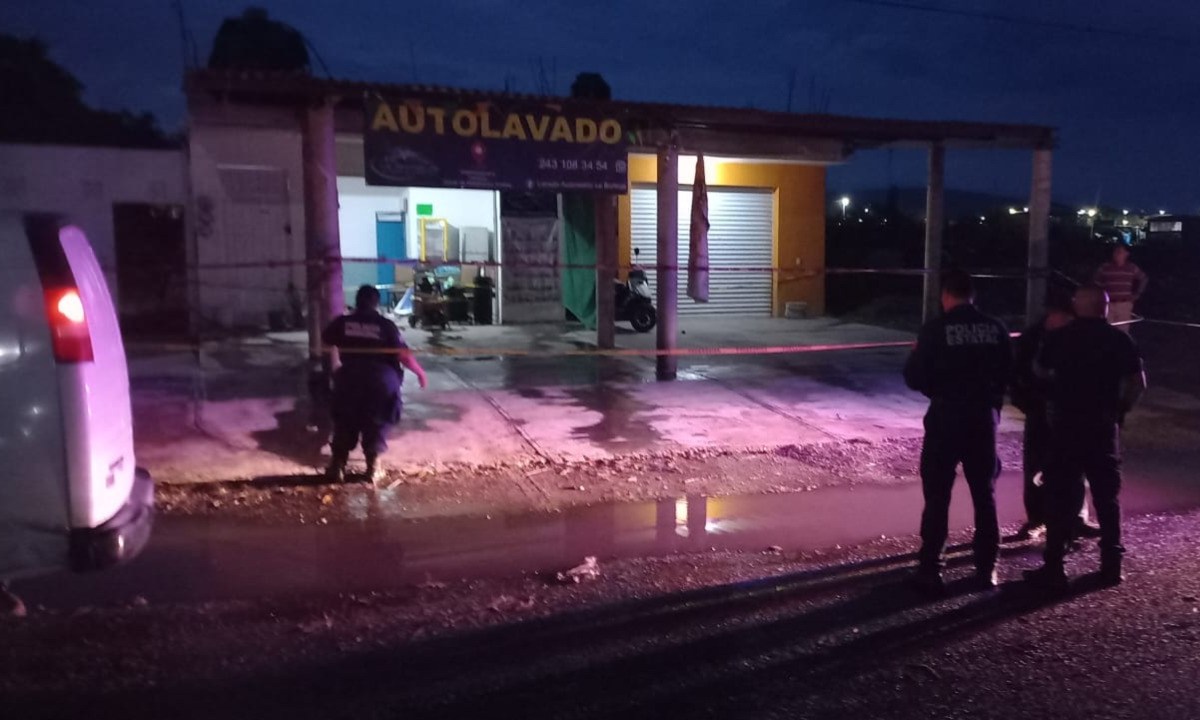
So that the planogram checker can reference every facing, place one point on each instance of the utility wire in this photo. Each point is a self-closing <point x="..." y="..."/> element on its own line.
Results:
<point x="1019" y="20"/>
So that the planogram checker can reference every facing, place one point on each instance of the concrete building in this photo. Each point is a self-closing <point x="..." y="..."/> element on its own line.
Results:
<point x="280" y="179"/>
<point x="131" y="205"/>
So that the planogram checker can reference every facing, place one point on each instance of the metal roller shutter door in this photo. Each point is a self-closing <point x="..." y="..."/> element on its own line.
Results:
<point x="740" y="235"/>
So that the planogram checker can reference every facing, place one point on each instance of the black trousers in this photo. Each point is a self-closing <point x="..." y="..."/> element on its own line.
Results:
<point x="953" y="435"/>
<point x="366" y="404"/>
<point x="1035" y="457"/>
<point x="1083" y="447"/>
<point x="349" y="429"/>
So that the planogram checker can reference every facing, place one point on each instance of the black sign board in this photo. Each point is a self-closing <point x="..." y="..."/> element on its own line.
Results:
<point x="493" y="144"/>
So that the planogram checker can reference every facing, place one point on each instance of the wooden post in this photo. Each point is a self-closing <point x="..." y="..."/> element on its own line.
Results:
<point x="935" y="223"/>
<point x="606" y="269"/>
<point x="1039" y="235"/>
<point x="667" y="276"/>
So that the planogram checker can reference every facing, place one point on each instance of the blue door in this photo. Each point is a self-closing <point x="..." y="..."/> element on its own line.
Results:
<point x="391" y="244"/>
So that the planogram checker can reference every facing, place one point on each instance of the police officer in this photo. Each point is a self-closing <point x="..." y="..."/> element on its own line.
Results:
<point x="1096" y="376"/>
<point x="961" y="363"/>
<point x="366" y="388"/>
<point x="1029" y="394"/>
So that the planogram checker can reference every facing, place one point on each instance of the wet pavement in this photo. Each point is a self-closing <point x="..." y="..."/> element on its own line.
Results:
<point x="215" y="558"/>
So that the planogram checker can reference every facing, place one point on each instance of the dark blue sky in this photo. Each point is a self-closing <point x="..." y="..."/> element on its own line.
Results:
<point x="1127" y="105"/>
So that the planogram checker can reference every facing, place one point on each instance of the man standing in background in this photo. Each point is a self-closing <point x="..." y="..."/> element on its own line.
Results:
<point x="1124" y="282"/>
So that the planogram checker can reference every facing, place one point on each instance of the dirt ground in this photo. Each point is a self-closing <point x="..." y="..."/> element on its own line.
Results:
<point x="824" y="634"/>
<point x="534" y="485"/>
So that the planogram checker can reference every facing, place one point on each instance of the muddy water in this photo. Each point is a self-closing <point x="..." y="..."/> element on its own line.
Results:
<point x="214" y="558"/>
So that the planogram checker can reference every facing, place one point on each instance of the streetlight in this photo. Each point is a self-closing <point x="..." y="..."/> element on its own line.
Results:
<point x="1091" y="212"/>
<point x="845" y="203"/>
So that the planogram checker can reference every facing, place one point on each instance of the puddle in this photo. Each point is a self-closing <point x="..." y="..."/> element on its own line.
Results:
<point x="212" y="558"/>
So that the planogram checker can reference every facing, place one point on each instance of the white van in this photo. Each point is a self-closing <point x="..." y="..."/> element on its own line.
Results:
<point x="71" y="495"/>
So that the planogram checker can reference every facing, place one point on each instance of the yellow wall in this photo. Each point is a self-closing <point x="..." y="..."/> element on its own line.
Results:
<point x="799" y="220"/>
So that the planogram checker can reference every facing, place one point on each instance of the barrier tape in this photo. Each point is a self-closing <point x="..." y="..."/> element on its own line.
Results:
<point x="615" y="352"/>
<point x="791" y="271"/>
<point x="1172" y="323"/>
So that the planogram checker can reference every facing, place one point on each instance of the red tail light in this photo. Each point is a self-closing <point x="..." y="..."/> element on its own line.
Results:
<point x="68" y="326"/>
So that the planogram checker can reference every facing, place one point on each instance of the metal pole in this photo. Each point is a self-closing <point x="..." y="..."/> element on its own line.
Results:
<point x="934" y="225"/>
<point x="606" y="269"/>
<point x="667" y="277"/>
<point x="1039" y="234"/>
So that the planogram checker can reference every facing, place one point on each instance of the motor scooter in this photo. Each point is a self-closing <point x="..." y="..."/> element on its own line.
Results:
<point x="633" y="300"/>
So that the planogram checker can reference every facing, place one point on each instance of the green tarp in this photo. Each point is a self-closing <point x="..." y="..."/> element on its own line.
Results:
<point x="579" y="250"/>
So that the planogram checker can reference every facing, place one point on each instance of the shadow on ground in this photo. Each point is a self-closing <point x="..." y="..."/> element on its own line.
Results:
<point x="702" y="653"/>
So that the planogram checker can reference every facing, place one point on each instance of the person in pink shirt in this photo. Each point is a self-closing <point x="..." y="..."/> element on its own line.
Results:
<point x="1124" y="282"/>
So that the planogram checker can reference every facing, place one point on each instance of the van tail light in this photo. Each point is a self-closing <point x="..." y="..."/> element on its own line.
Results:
<point x="68" y="326"/>
<point x="65" y="310"/>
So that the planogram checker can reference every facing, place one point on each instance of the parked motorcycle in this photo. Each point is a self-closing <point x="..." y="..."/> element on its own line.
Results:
<point x="634" y="301"/>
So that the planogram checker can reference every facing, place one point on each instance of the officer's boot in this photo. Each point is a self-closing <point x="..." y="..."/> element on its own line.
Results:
<point x="375" y="472"/>
<point x="1110" y="567"/>
<point x="336" y="472"/>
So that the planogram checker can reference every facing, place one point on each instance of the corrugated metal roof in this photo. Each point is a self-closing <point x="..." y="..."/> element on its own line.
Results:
<point x="287" y="87"/>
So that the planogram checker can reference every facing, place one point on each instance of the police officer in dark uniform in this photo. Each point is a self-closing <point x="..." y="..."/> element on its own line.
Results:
<point x="961" y="363"/>
<point x="366" y="388"/>
<point x="1030" y="395"/>
<point x="1096" y="376"/>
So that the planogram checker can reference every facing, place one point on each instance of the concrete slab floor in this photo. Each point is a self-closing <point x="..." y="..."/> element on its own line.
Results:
<point x="244" y="412"/>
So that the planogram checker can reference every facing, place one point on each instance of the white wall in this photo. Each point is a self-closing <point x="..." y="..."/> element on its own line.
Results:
<point x="462" y="208"/>
<point x="357" y="205"/>
<point x="84" y="182"/>
<point x="243" y="228"/>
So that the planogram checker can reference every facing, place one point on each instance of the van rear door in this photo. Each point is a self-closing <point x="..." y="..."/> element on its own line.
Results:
<point x="98" y="427"/>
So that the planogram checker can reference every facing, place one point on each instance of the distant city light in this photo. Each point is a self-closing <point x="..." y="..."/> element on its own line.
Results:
<point x="1082" y="211"/>
<point x="1125" y="222"/>
<point x="1012" y="211"/>
<point x="1091" y="212"/>
<point x="1024" y="209"/>
<point x="845" y="201"/>
<point x="1124" y="212"/>
<point x="982" y="218"/>
<point x="1162" y="212"/>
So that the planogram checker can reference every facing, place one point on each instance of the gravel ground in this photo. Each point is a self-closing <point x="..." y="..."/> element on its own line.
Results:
<point x="539" y="485"/>
<point x="831" y="634"/>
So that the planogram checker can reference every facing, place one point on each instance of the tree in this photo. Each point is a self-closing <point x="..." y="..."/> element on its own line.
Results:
<point x="256" y="42"/>
<point x="592" y="86"/>
<point x="44" y="104"/>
